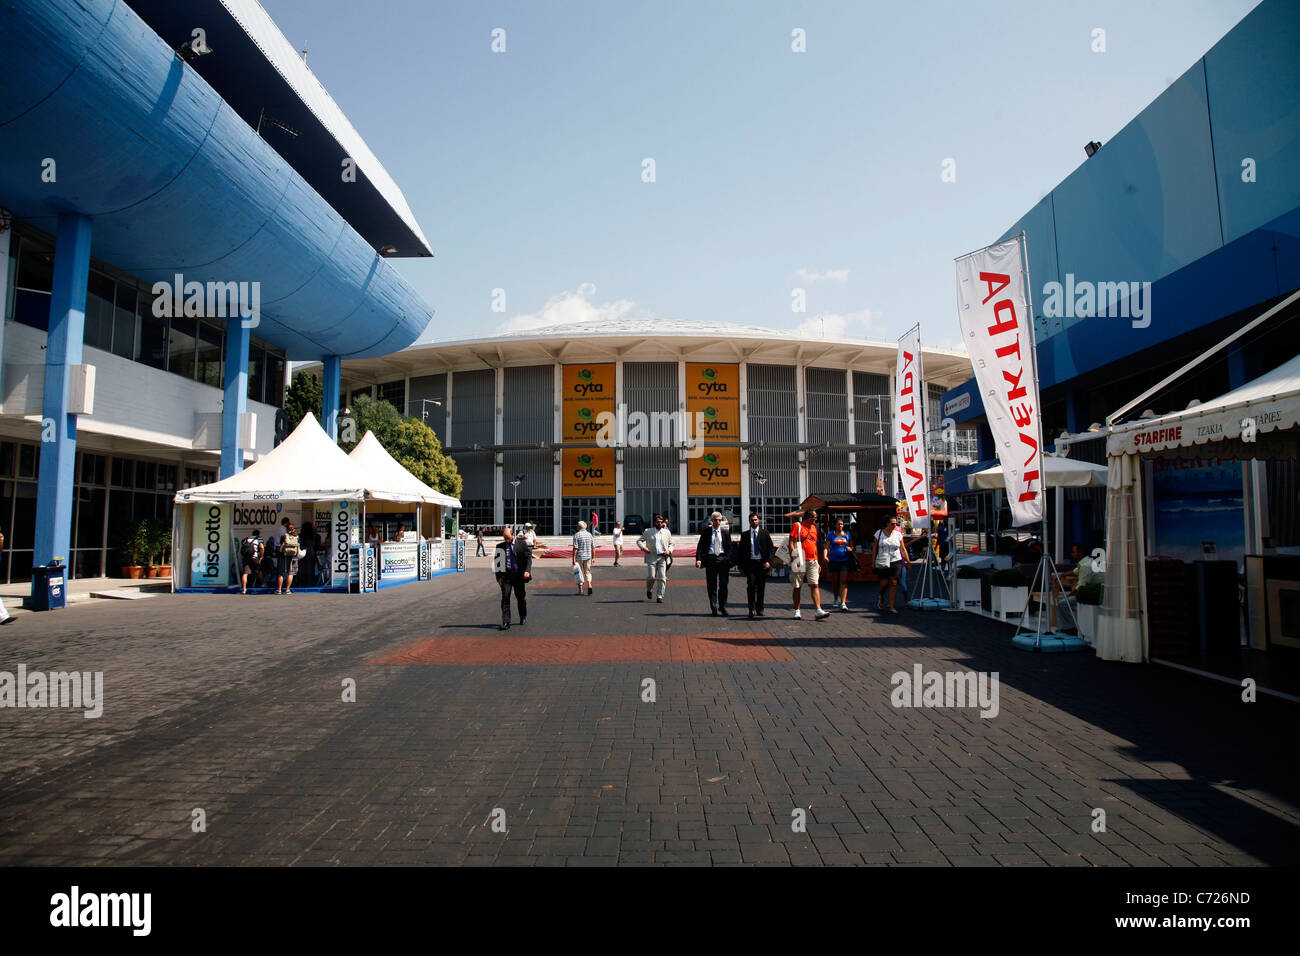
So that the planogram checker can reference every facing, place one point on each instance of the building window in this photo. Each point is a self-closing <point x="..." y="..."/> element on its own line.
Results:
<point x="181" y="343"/>
<point x="211" y="345"/>
<point x="698" y="511"/>
<point x="98" y="330"/>
<point x="573" y="510"/>
<point x="394" y="393"/>
<point x="125" y="334"/>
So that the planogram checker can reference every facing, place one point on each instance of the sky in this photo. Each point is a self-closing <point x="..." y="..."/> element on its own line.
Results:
<point x="773" y="170"/>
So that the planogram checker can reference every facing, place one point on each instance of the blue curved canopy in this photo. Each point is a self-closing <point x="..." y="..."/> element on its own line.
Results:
<point x="176" y="182"/>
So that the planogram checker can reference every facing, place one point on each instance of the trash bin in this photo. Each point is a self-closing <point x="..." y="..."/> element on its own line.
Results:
<point x="49" y="587"/>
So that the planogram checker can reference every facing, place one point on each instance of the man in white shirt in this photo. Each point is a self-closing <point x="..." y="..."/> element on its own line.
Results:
<point x="657" y="544"/>
<point x="715" y="552"/>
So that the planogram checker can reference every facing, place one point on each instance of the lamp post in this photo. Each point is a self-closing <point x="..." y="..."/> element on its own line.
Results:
<point x="762" y="495"/>
<point x="424" y="411"/>
<point x="514" y="483"/>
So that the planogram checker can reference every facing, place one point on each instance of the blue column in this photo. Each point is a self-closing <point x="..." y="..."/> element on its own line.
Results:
<point x="236" y="399"/>
<point x="329" y="410"/>
<point x="58" y="428"/>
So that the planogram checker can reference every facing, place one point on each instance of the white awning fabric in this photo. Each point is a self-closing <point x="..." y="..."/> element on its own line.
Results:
<point x="387" y="479"/>
<point x="1057" y="473"/>
<point x="1270" y="403"/>
<point x="306" y="466"/>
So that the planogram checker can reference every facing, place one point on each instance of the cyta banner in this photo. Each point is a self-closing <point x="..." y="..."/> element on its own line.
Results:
<point x="995" y="323"/>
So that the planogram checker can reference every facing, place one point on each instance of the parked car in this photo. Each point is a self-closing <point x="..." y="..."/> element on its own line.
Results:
<point x="633" y="524"/>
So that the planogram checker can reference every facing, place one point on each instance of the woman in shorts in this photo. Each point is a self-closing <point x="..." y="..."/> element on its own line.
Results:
<point x="888" y="558"/>
<point x="838" y="545"/>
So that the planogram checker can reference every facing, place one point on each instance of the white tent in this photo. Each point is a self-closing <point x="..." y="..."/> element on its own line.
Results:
<point x="1057" y="473"/>
<point x="387" y="479"/>
<point x="306" y="466"/>
<point x="1255" y="421"/>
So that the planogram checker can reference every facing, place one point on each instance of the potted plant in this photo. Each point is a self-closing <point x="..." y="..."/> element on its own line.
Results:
<point x="159" y="534"/>
<point x="1010" y="591"/>
<point x="133" y="546"/>
<point x="968" y="586"/>
<point x="1088" y="610"/>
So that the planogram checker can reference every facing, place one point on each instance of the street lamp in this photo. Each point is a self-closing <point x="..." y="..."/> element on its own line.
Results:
<point x="424" y="411"/>
<point x="762" y="495"/>
<point x="514" y="483"/>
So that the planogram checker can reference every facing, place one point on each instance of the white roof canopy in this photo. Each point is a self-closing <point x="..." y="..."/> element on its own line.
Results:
<point x="306" y="466"/>
<point x="1057" y="473"/>
<point x="1270" y="403"/>
<point x="388" y="480"/>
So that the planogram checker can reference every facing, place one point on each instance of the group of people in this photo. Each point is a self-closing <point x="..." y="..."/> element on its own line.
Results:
<point x="280" y="561"/>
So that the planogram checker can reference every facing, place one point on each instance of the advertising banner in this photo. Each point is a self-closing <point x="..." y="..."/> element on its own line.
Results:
<point x="213" y="546"/>
<point x="369" y="569"/>
<point x="426" y="569"/>
<point x="399" y="561"/>
<point x="713" y="402"/>
<point x="588" y="391"/>
<point x="1198" y="512"/>
<point x="587" y="473"/>
<point x="263" y="517"/>
<point x="909" y="429"/>
<point x="716" y="472"/>
<point x="341" y="522"/>
<point x="992" y="307"/>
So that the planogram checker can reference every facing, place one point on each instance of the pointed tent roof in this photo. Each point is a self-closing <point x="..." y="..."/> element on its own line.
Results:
<point x="306" y="466"/>
<point x="389" y="480"/>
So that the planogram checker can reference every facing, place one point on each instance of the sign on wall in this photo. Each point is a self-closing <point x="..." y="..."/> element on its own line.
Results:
<point x="588" y="391"/>
<point x="716" y="472"/>
<point x="212" y="546"/>
<point x="341" y="522"/>
<point x="587" y="472"/>
<point x="713" y="402"/>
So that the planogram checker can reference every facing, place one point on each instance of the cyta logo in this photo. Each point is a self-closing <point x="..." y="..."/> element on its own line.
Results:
<point x="585" y="471"/>
<point x="710" y="385"/>
<point x="710" y="468"/>
<point x="586" y="384"/>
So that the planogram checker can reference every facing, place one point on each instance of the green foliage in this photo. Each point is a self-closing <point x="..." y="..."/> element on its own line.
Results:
<point x="410" y="441"/>
<point x="305" y="395"/>
<point x="1090" y="593"/>
<point x="131" y="540"/>
<point x="1009" y="578"/>
<point x="157" y="535"/>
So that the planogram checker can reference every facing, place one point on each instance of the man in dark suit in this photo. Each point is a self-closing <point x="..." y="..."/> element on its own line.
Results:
<point x="716" y="552"/>
<point x="755" y="557"/>
<point x="512" y="560"/>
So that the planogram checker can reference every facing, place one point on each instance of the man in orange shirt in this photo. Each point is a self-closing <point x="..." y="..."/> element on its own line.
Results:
<point x="803" y="537"/>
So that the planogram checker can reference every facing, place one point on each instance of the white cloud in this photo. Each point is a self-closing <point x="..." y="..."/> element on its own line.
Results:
<point x="832" y="275"/>
<point x="835" y="325"/>
<point x="568" y="308"/>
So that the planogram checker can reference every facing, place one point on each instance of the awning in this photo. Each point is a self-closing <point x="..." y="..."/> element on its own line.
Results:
<point x="386" y="478"/>
<point x="1245" y="415"/>
<point x="1057" y="473"/>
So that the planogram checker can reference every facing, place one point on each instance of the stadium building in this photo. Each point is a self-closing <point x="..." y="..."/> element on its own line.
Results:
<point x="183" y="210"/>
<point x="700" y="416"/>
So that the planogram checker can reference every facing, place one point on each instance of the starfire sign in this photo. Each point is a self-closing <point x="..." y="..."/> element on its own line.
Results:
<point x="994" y="316"/>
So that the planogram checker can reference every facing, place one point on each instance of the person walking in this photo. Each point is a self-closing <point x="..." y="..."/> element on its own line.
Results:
<point x="755" y="557"/>
<point x="289" y="550"/>
<point x="512" y="561"/>
<point x="657" y="545"/>
<point x="478" y="536"/>
<point x="618" y="542"/>
<point x="251" y="551"/>
<point x="583" y="547"/>
<point x="888" y="558"/>
<point x="838" y="545"/>
<point x="716" y="552"/>
<point x="4" y="611"/>
<point x="595" y="524"/>
<point x="803" y="539"/>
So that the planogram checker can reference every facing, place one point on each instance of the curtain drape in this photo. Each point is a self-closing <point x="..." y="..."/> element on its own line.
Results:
<point x="1121" y="627"/>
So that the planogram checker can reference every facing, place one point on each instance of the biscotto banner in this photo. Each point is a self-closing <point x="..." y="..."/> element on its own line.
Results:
<point x="909" y="429"/>
<point x="588" y="473"/>
<point x="993" y="309"/>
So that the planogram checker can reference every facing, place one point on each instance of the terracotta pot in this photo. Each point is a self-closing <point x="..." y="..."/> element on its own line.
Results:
<point x="161" y="571"/>
<point x="133" y="571"/>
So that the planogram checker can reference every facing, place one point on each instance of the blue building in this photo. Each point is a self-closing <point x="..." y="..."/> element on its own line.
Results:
<point x="1166" y="240"/>
<point x="182" y="212"/>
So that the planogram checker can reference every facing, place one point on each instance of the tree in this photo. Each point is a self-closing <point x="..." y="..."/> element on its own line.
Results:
<point x="305" y="395"/>
<point x="412" y="443"/>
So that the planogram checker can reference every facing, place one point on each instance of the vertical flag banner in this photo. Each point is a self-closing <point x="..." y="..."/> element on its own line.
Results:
<point x="909" y="429"/>
<point x="993" y="309"/>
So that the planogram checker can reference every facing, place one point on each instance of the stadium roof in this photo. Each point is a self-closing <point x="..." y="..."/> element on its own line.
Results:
<point x="266" y="81"/>
<point x="652" y="340"/>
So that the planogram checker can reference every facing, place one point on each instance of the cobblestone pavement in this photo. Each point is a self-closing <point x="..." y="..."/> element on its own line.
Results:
<point x="233" y="706"/>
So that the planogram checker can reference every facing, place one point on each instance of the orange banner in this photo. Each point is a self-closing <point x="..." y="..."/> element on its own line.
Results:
<point x="712" y="383"/>
<point x="588" y="391"/>
<point x="713" y="402"/>
<point x="588" y="473"/>
<point x="716" y="472"/>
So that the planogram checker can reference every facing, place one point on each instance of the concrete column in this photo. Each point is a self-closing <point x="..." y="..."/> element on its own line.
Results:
<point x="557" y="506"/>
<point x="743" y="385"/>
<point x="498" y="437"/>
<point x="331" y="388"/>
<point x="683" y="475"/>
<point x="4" y="294"/>
<point x="801" y="426"/>
<point x="235" y="403"/>
<point x="58" y="427"/>
<point x="620" y="497"/>
<point x="852" y="419"/>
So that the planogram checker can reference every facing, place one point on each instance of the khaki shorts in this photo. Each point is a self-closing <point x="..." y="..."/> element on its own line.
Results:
<point x="812" y="574"/>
